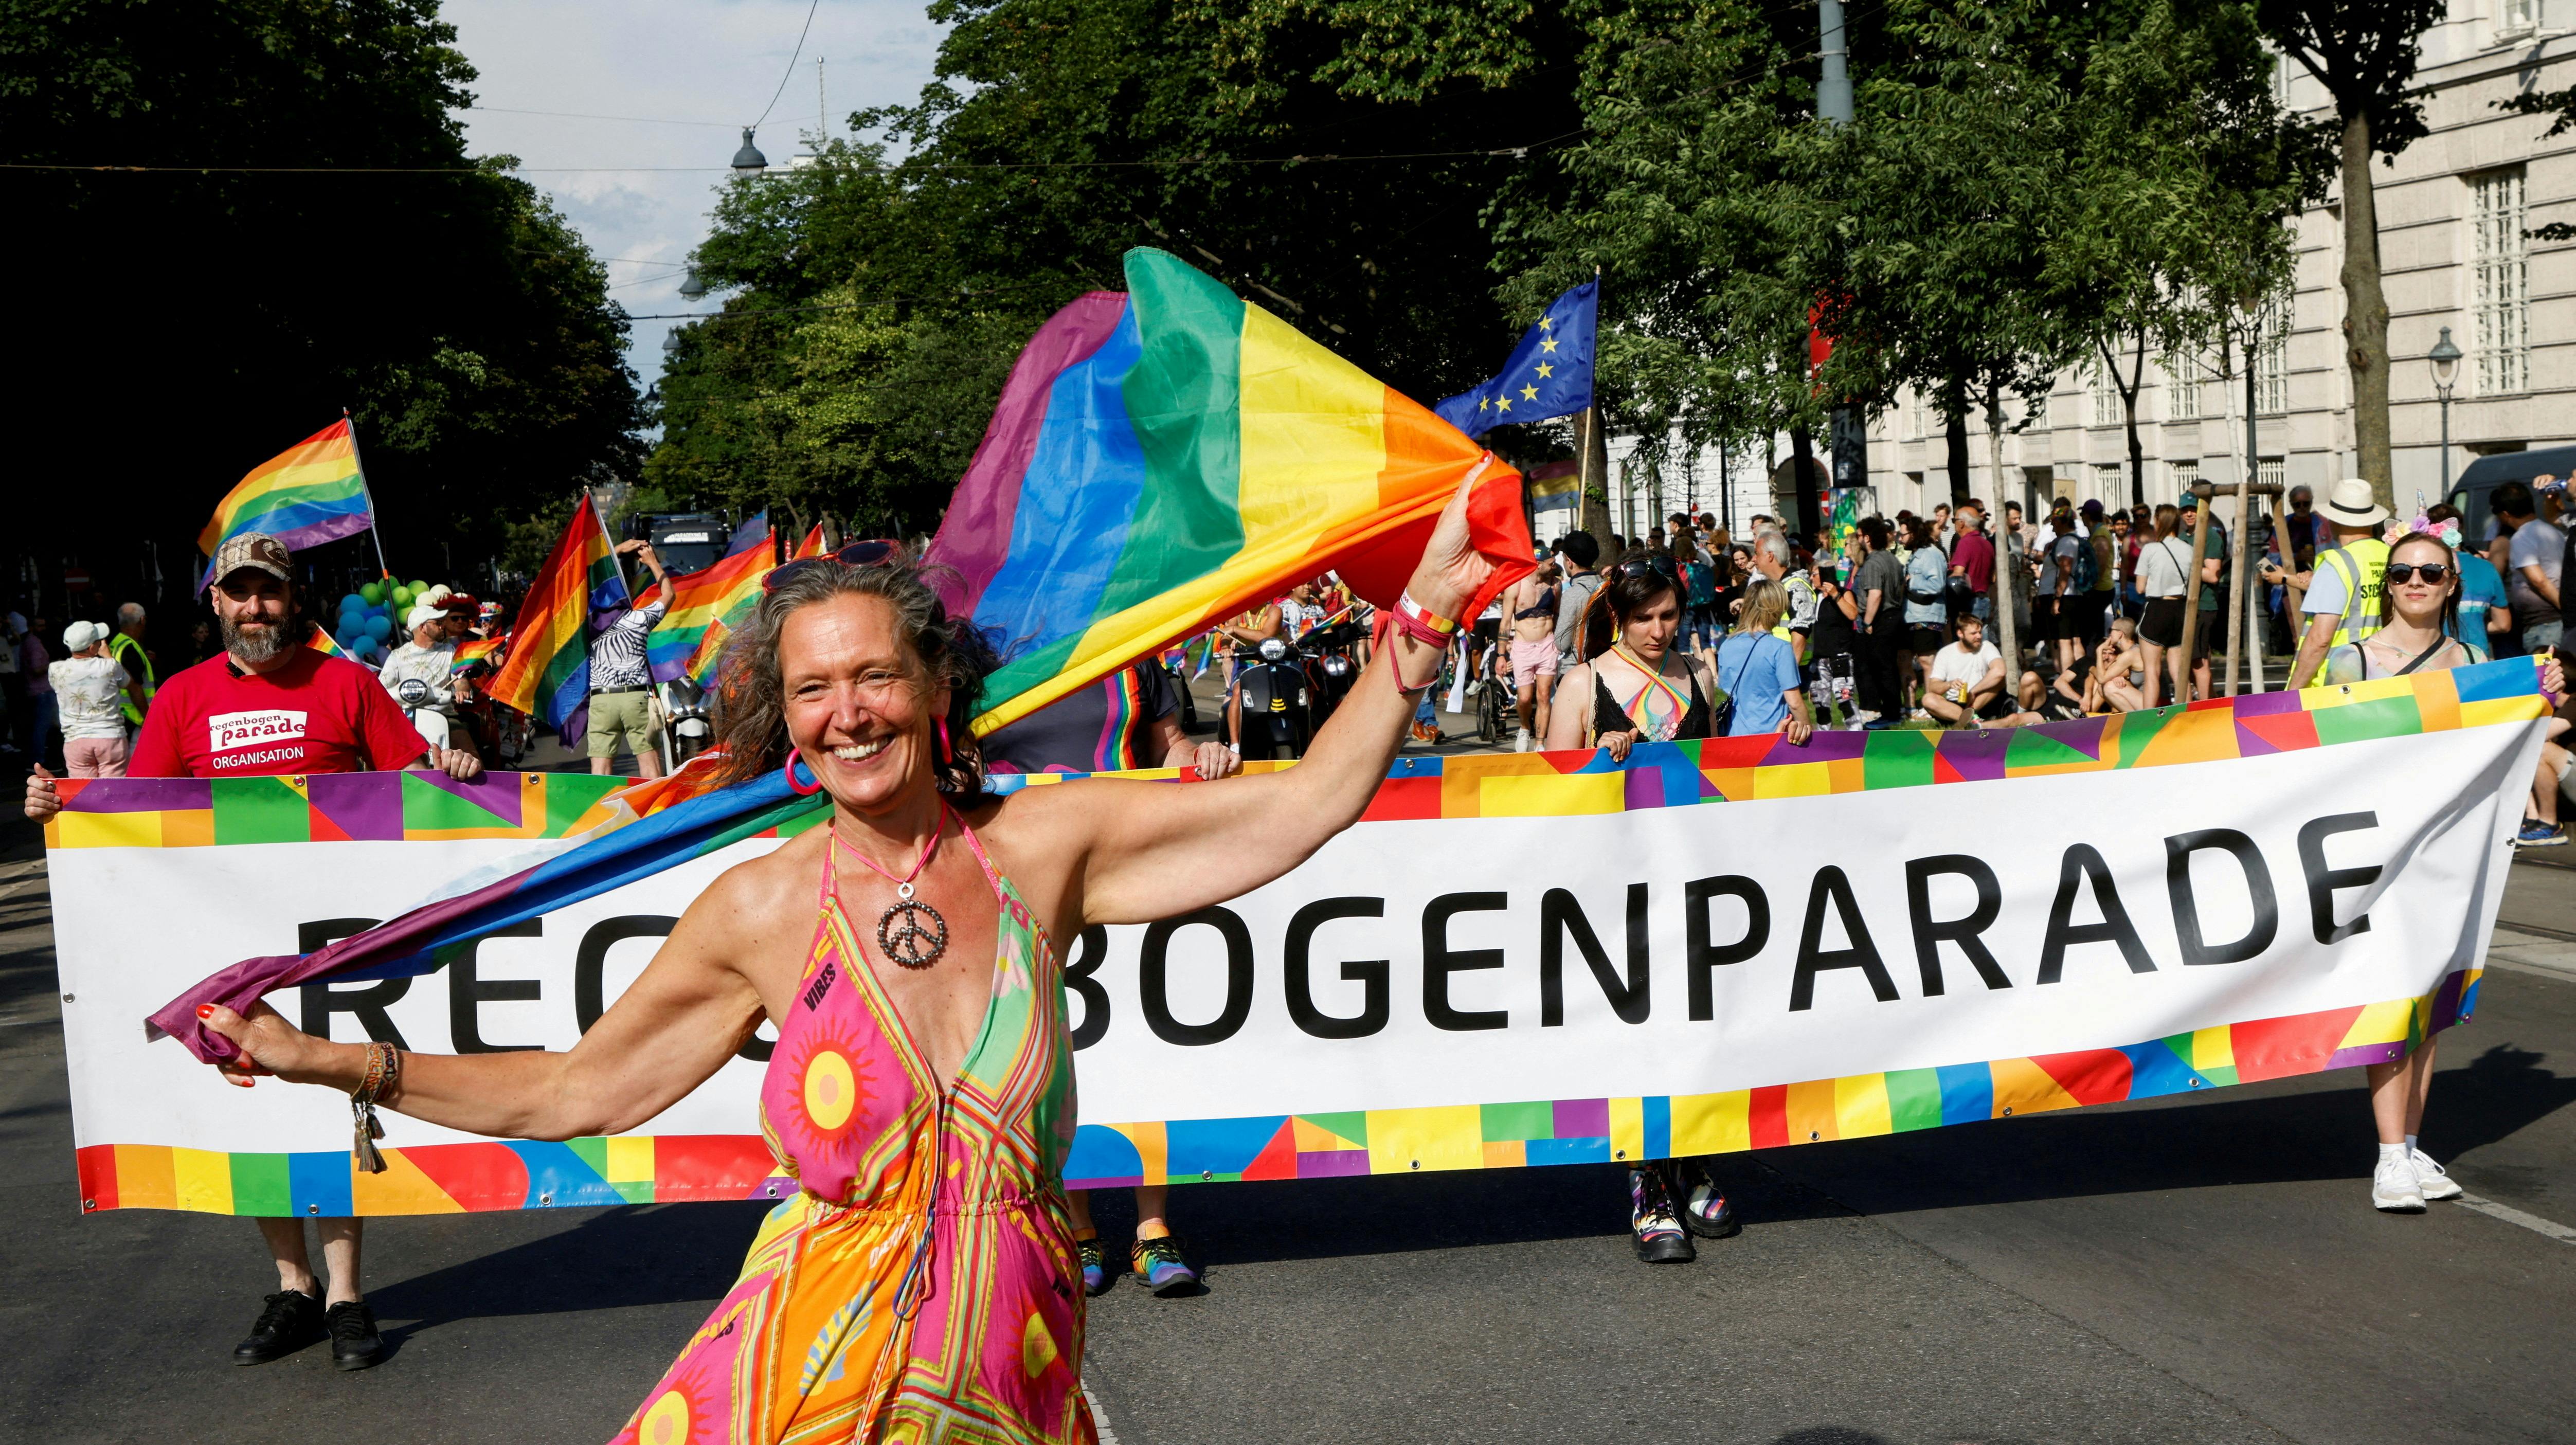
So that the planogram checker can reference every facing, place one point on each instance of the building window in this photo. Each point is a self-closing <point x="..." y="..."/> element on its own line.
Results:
<point x="2186" y="475"/>
<point x="2271" y="471"/>
<point x="2516" y="17"/>
<point x="2272" y="365"/>
<point x="2038" y="418"/>
<point x="1917" y="415"/>
<point x="2182" y="388"/>
<point x="2502" y="303"/>
<point x="2106" y="484"/>
<point x="2106" y="396"/>
<point x="2281" y="81"/>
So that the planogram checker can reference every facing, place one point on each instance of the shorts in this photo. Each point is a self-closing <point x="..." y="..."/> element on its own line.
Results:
<point x="95" y="757"/>
<point x="626" y="716"/>
<point x="2540" y="637"/>
<point x="1923" y="638"/>
<point x="1532" y="660"/>
<point x="2078" y="614"/>
<point x="2163" y="622"/>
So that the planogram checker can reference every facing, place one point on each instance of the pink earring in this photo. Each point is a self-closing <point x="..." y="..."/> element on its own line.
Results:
<point x="795" y="787"/>
<point x="946" y="753"/>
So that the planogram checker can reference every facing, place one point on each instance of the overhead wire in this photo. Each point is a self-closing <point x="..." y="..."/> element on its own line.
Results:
<point x="792" y="58"/>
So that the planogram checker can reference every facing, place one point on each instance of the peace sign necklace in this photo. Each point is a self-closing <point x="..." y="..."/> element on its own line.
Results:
<point x="910" y="931"/>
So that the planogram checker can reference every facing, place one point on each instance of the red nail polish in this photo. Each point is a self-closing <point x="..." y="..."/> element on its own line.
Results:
<point x="205" y="1010"/>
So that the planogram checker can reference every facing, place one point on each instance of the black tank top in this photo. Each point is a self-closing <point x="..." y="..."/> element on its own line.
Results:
<point x="1609" y="717"/>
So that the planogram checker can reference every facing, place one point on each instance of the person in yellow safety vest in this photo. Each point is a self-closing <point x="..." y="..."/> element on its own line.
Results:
<point x="2342" y="601"/>
<point x="127" y="648"/>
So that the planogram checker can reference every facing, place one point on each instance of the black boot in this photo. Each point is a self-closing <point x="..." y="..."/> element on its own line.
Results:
<point x="1704" y="1207"/>
<point x="355" y="1345"/>
<point x="288" y="1321"/>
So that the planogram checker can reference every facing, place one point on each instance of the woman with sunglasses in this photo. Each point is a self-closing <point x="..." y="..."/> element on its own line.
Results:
<point x="1634" y="686"/>
<point x="2418" y="632"/>
<point x="923" y="1282"/>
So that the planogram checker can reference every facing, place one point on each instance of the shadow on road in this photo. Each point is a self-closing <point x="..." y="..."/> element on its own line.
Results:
<point x="618" y="1258"/>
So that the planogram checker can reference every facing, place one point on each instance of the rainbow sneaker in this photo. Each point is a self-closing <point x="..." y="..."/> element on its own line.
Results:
<point x="1159" y="1263"/>
<point x="1095" y="1265"/>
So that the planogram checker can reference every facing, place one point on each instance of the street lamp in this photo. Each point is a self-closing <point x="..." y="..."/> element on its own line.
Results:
<point x="671" y="342"/>
<point x="749" y="161"/>
<point x="692" y="289"/>
<point x="2446" y="373"/>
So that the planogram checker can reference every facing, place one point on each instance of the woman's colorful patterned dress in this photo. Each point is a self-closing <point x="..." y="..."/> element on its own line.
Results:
<point x="921" y="1286"/>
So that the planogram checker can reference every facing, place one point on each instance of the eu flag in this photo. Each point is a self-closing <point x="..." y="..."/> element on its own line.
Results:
<point x="1549" y="375"/>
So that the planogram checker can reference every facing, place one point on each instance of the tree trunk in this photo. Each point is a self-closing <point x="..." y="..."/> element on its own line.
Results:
<point x="1954" y="406"/>
<point x="2004" y="587"/>
<point x="1592" y="486"/>
<point x="2129" y="400"/>
<point x="2365" y="324"/>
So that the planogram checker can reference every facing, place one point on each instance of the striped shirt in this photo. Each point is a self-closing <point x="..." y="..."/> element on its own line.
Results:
<point x="617" y="653"/>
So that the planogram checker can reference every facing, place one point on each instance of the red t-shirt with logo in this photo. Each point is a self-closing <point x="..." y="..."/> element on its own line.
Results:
<point x="316" y="714"/>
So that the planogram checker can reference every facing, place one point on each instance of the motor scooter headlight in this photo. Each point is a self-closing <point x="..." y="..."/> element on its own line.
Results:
<point x="1337" y="666"/>
<point x="1273" y="650"/>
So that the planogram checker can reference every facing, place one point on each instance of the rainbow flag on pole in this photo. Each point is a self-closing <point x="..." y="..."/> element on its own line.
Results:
<point x="1160" y="459"/>
<point x="489" y="651"/>
<point x="310" y="494"/>
<point x="547" y="674"/>
<point x="707" y="605"/>
<point x="320" y="641"/>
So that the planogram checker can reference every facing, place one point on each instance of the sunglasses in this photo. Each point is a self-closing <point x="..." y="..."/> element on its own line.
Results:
<point x="2434" y="573"/>
<point x="1634" y="569"/>
<point x="871" y="553"/>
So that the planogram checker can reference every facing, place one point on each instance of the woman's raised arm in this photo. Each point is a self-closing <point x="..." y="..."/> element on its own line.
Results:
<point x="663" y="1037"/>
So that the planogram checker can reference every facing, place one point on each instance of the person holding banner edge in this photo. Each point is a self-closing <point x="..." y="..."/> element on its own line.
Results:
<point x="2417" y="623"/>
<point x="855" y="678"/>
<point x="269" y="706"/>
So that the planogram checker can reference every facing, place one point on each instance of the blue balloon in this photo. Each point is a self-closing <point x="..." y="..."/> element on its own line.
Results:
<point x="380" y="628"/>
<point x="352" y="602"/>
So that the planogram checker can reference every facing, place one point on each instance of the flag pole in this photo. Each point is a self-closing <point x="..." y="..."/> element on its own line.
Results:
<point x="375" y="528"/>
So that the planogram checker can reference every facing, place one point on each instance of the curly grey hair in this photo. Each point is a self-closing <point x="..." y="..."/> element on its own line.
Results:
<point x="750" y="713"/>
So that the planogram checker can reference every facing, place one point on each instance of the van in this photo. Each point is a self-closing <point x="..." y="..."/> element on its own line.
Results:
<point x="2480" y="478"/>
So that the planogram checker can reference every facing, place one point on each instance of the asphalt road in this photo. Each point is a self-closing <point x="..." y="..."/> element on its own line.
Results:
<point x="2204" y="1270"/>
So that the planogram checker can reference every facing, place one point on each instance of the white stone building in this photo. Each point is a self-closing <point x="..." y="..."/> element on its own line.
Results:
<point x="2452" y="213"/>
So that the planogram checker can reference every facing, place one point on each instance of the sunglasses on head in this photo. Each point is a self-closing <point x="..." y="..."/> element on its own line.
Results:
<point x="1634" y="569"/>
<point x="2435" y="573"/>
<point x="874" y="552"/>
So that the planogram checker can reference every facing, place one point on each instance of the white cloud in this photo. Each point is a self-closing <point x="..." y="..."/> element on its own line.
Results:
<point x="639" y="190"/>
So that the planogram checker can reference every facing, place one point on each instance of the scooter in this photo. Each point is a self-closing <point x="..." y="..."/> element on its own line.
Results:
<point x="1333" y="664"/>
<point x="1274" y="695"/>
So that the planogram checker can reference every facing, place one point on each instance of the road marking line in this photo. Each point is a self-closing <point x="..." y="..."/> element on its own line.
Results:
<point x="2546" y="1228"/>
<point x="1100" y="1417"/>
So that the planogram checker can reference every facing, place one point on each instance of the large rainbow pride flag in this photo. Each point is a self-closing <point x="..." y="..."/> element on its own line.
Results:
<point x="707" y="605"/>
<point x="311" y="493"/>
<point x="547" y="674"/>
<point x="1164" y="458"/>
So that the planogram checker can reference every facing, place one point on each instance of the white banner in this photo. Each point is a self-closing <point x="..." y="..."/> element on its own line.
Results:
<point x="1436" y="992"/>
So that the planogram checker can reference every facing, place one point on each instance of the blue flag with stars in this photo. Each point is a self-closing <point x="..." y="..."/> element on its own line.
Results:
<point x="1549" y="375"/>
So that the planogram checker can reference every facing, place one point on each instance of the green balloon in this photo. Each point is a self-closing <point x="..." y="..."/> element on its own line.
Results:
<point x="374" y="592"/>
<point x="417" y="588"/>
<point x="402" y="598"/>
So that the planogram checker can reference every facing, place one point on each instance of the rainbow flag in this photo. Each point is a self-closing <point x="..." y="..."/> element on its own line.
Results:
<point x="320" y="641"/>
<point x="487" y="650"/>
<point x="706" y="606"/>
<point x="309" y="494"/>
<point x="1163" y="457"/>
<point x="547" y="674"/>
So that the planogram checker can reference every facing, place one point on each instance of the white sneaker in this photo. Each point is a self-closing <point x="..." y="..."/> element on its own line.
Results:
<point x="1475" y="687"/>
<point x="1521" y="744"/>
<point x="2431" y="1179"/>
<point x="2395" y="1188"/>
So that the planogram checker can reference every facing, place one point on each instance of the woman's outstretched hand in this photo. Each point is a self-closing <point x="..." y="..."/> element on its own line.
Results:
<point x="271" y="1045"/>
<point x="1452" y="570"/>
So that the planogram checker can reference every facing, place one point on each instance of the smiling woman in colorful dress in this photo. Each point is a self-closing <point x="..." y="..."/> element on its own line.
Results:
<point x="924" y="1281"/>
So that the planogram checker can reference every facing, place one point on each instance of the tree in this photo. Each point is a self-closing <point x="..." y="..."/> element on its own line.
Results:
<point x="1058" y="134"/>
<point x="317" y="238"/>
<point x="2365" y="56"/>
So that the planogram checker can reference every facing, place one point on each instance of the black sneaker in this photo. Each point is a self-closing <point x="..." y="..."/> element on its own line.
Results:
<point x="1705" y="1209"/>
<point x="288" y="1321"/>
<point x="355" y="1345"/>
<point x="1653" y="1220"/>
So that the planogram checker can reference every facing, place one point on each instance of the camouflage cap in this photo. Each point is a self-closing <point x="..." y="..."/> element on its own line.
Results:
<point x="256" y="550"/>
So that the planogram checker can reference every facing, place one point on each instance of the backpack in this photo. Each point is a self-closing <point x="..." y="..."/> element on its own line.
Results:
<point x="1703" y="585"/>
<point x="2088" y="567"/>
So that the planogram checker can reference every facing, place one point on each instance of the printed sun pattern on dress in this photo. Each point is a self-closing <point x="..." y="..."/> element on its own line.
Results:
<point x="920" y="1286"/>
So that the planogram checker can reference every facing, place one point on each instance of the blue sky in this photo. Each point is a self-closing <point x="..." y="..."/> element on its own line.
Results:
<point x="689" y="74"/>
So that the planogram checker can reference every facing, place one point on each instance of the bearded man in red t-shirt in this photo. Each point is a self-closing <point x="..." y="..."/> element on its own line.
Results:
<point x="268" y="706"/>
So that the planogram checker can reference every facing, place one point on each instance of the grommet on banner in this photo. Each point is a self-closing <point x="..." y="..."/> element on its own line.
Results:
<point x="1813" y="1136"/>
<point x="2007" y="1111"/>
